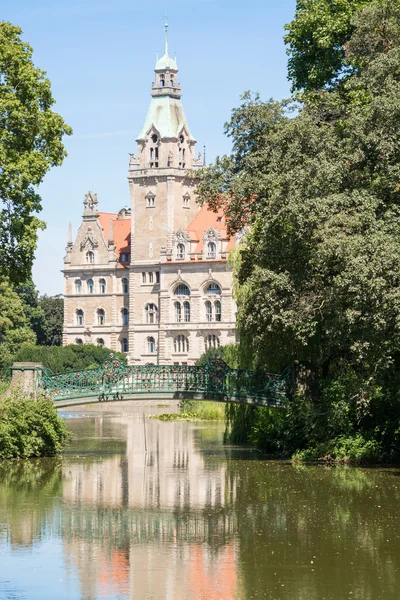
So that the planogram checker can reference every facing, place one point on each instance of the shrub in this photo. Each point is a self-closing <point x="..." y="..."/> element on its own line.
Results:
<point x="66" y="358"/>
<point x="30" y="427"/>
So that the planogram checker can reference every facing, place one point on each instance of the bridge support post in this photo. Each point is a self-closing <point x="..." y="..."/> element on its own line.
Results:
<point x="24" y="377"/>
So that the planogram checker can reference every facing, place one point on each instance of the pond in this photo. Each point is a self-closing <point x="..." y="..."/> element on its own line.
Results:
<point x="142" y="509"/>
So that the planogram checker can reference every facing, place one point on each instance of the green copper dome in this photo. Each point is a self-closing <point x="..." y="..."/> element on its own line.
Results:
<point x="166" y="62"/>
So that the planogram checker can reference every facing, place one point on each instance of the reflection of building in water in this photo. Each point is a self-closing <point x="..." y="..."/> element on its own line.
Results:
<point x="170" y="474"/>
<point x="155" y="524"/>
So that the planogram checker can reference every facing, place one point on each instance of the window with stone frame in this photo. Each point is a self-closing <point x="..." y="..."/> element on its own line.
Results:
<point x="182" y="290"/>
<point x="151" y="313"/>
<point x="186" y="312"/>
<point x="150" y="200"/>
<point x="100" y="342"/>
<point x="211" y="341"/>
<point x="80" y="317"/>
<point x="211" y="250"/>
<point x="125" y="286"/>
<point x="181" y="344"/>
<point x="180" y="251"/>
<point x="90" y="286"/>
<point x="178" y="312"/>
<point x="151" y="345"/>
<point x="101" y="316"/>
<point x="217" y="310"/>
<point x="213" y="289"/>
<point x="209" y="311"/>
<point x="102" y="286"/>
<point x="78" y="341"/>
<point x="124" y="345"/>
<point x="125" y="316"/>
<point x="186" y="200"/>
<point x="90" y="257"/>
<point x="78" y="286"/>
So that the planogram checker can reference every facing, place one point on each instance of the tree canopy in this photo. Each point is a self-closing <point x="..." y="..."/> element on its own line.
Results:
<point x="316" y="41"/>
<point x="30" y="143"/>
<point x="318" y="273"/>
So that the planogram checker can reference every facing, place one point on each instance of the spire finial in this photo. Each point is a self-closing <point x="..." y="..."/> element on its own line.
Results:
<point x="70" y="234"/>
<point x="166" y="34"/>
<point x="204" y="155"/>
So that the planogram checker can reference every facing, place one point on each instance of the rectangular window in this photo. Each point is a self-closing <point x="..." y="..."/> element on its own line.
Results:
<point x="143" y="277"/>
<point x="157" y="277"/>
<point x="150" y="277"/>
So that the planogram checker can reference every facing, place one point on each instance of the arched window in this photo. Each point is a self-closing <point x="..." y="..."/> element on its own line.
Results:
<point x="90" y="286"/>
<point x="162" y="82"/>
<point x="151" y="313"/>
<point x="78" y="286"/>
<point x="186" y="312"/>
<point x="78" y="341"/>
<point x="154" y="138"/>
<point x="100" y="342"/>
<point x="171" y="83"/>
<point x="181" y="344"/>
<point x="208" y="306"/>
<point x="80" y="317"/>
<point x="124" y="345"/>
<point x="102" y="285"/>
<point x="217" y="308"/>
<point x="90" y="257"/>
<point x="213" y="288"/>
<point x="182" y="290"/>
<point x="125" y="288"/>
<point x="125" y="316"/>
<point x="101" y="316"/>
<point x="211" y="341"/>
<point x="151" y="345"/>
<point x="178" y="312"/>
<point x="211" y="250"/>
<point x="180" y="251"/>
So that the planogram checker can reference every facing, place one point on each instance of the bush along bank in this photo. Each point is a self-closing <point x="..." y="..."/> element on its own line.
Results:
<point x="30" y="428"/>
<point x="339" y="425"/>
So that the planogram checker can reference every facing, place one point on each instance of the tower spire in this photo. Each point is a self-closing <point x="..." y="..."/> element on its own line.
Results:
<point x="166" y="35"/>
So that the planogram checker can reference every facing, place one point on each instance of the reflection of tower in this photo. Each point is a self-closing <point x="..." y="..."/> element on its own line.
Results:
<point x="135" y="513"/>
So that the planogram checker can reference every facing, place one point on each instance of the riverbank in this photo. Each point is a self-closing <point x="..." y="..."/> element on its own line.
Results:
<point x="196" y="410"/>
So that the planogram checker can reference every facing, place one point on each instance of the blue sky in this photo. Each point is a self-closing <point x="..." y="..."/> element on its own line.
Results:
<point x="100" y="58"/>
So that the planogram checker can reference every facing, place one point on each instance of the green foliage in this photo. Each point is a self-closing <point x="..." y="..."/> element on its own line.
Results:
<point x="228" y="353"/>
<point x="30" y="143"/>
<point x="316" y="38"/>
<point x="14" y="326"/>
<point x="207" y="411"/>
<point x="30" y="427"/>
<point x="66" y="358"/>
<point x="317" y="276"/>
<point x="50" y="331"/>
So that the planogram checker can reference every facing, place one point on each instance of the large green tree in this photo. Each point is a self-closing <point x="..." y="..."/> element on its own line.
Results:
<point x="30" y="143"/>
<point x="318" y="274"/>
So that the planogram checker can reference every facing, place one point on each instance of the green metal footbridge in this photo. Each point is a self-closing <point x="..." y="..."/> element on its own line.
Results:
<point x="114" y="380"/>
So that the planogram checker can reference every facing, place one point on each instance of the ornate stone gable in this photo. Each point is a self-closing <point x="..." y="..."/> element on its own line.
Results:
<point x="181" y="237"/>
<point x="89" y="242"/>
<point x="211" y="235"/>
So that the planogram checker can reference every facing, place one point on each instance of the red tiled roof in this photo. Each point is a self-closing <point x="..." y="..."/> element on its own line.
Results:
<point x="121" y="229"/>
<point x="202" y="222"/>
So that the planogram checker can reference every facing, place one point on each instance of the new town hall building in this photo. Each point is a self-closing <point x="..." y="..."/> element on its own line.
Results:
<point x="153" y="281"/>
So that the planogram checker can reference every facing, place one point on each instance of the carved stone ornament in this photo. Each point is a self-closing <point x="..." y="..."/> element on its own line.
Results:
<point x="210" y="235"/>
<point x="89" y="241"/>
<point x="180" y="237"/>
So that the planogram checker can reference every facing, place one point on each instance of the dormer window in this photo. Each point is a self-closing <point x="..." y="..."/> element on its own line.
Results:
<point x="154" y="138"/>
<point x="211" y="250"/>
<point x="181" y="139"/>
<point x="180" y="251"/>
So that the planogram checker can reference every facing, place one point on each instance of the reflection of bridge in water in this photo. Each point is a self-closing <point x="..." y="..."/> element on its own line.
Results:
<point x="215" y="381"/>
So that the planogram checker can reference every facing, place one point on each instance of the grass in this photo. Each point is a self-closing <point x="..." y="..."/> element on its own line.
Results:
<point x="191" y="410"/>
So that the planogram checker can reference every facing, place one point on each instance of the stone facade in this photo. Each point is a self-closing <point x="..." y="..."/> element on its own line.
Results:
<point x="153" y="280"/>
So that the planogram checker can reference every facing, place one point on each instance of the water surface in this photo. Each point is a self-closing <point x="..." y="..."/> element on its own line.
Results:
<point x="150" y="510"/>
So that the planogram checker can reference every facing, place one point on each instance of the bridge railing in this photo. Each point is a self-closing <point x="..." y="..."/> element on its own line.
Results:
<point x="216" y="380"/>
